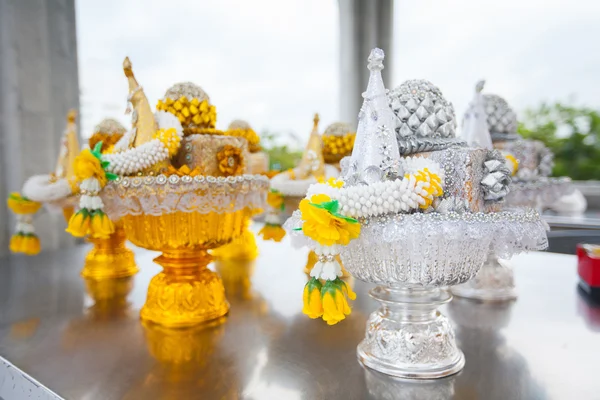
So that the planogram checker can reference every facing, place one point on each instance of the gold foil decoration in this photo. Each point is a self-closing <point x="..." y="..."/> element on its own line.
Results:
<point x="143" y="120"/>
<point x="110" y="258"/>
<point x="312" y="163"/>
<point x="186" y="292"/>
<point x="69" y="149"/>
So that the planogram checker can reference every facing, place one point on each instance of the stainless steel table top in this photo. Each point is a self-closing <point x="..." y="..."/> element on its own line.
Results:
<point x="546" y="345"/>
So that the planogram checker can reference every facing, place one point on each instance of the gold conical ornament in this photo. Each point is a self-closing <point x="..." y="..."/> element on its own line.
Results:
<point x="143" y="120"/>
<point x="69" y="149"/>
<point x="312" y="163"/>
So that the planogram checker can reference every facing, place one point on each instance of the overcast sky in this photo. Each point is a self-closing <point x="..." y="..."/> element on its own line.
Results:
<point x="274" y="63"/>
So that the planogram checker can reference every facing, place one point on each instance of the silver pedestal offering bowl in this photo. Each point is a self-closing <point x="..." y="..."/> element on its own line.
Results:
<point x="412" y="258"/>
<point x="490" y="119"/>
<point x="417" y="231"/>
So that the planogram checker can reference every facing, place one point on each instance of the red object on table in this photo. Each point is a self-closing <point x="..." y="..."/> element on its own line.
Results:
<point x="588" y="268"/>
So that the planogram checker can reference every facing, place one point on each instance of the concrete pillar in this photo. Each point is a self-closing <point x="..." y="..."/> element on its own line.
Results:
<point x="39" y="83"/>
<point x="364" y="24"/>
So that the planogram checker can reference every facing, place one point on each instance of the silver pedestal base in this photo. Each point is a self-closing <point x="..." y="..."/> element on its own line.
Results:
<point x="494" y="282"/>
<point x="407" y="337"/>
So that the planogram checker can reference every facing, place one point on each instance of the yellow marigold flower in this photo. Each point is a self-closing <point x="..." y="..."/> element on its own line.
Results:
<point x="231" y="161"/>
<point x="88" y="166"/>
<point x="79" y="224"/>
<point x="16" y="243"/>
<point x="324" y="225"/>
<point x="313" y="305"/>
<point x="101" y="226"/>
<point x="31" y="245"/>
<point x="275" y="199"/>
<point x="335" y="305"/>
<point x="513" y="163"/>
<point x="22" y="205"/>
<point x="272" y="232"/>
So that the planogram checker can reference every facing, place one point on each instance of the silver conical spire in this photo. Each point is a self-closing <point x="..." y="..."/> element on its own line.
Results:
<point x="474" y="126"/>
<point x="375" y="156"/>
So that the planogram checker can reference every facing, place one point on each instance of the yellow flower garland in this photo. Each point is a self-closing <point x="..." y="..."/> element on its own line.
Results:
<point x="324" y="225"/>
<point x="337" y="147"/>
<point x="89" y="166"/>
<point x="248" y="134"/>
<point x="435" y="185"/>
<point x="26" y="243"/>
<point x="272" y="232"/>
<point x="170" y="139"/>
<point x="21" y="204"/>
<point x="329" y="300"/>
<point x="94" y="222"/>
<point x="191" y="113"/>
<point x="513" y="163"/>
<point x="275" y="199"/>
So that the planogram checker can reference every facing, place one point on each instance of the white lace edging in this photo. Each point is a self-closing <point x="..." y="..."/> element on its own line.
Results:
<point x="433" y="249"/>
<point x="161" y="195"/>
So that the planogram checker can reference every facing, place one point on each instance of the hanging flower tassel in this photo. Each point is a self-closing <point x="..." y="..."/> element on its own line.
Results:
<point x="328" y="300"/>
<point x="91" y="172"/>
<point x="25" y="240"/>
<point x="272" y="229"/>
<point x="335" y="303"/>
<point x="313" y="305"/>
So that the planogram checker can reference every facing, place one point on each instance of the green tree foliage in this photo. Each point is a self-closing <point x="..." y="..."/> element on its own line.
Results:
<point x="281" y="156"/>
<point x="573" y="135"/>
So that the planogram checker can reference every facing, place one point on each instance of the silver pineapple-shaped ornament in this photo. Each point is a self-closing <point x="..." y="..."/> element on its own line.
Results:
<point x="425" y="120"/>
<point x="501" y="119"/>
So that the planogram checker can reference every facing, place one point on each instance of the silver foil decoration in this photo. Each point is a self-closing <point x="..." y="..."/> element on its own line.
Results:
<point x="422" y="113"/>
<point x="501" y="119"/>
<point x="375" y="155"/>
<point x="474" y="126"/>
<point x="496" y="181"/>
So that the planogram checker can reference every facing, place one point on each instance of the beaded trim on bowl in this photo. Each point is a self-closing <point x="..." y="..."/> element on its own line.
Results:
<point x="157" y="195"/>
<point x="412" y="144"/>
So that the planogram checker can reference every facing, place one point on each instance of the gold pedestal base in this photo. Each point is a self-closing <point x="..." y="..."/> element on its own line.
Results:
<point x="110" y="258"/>
<point x="186" y="293"/>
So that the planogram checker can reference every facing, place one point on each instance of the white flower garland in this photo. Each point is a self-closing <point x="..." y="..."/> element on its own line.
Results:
<point x="386" y="197"/>
<point x="90" y="188"/>
<point x="43" y="189"/>
<point x="327" y="267"/>
<point x="133" y="160"/>
<point x="413" y="165"/>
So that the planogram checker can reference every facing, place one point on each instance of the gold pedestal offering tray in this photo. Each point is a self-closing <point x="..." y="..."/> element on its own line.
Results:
<point x="178" y="186"/>
<point x="184" y="217"/>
